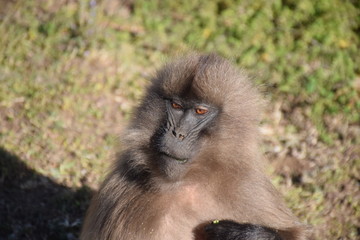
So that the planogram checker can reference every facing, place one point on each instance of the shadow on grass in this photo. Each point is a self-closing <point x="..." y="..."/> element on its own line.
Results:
<point x="33" y="206"/>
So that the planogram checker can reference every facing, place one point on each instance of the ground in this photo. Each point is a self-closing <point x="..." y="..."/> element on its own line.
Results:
<point x="71" y="73"/>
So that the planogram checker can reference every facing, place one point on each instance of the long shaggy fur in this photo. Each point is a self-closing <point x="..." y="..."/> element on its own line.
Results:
<point x="223" y="181"/>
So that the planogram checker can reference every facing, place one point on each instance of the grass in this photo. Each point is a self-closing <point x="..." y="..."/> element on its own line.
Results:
<point x="70" y="73"/>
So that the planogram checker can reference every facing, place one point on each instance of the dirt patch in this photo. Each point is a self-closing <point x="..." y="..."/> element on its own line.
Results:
<point x="327" y="176"/>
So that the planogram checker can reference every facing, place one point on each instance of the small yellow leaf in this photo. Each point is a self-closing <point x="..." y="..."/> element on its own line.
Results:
<point x="206" y="33"/>
<point x="265" y="57"/>
<point x="343" y="43"/>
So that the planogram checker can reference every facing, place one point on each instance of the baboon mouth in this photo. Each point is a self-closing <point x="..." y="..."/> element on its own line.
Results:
<point x="181" y="160"/>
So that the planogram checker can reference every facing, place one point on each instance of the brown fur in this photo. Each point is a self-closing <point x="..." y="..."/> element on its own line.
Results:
<point x="224" y="181"/>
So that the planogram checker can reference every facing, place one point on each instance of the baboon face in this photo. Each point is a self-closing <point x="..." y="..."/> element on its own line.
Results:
<point x="179" y="138"/>
<point x="192" y="99"/>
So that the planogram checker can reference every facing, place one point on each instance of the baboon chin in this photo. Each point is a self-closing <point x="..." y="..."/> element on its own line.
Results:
<point x="191" y="167"/>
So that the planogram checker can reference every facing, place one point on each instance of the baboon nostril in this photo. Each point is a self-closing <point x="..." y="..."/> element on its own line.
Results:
<point x="178" y="135"/>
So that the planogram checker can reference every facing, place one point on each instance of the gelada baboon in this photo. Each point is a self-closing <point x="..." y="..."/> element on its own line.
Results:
<point x="191" y="167"/>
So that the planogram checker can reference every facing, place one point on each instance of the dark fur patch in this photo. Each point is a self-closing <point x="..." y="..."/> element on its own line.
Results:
<point x="136" y="173"/>
<point x="229" y="230"/>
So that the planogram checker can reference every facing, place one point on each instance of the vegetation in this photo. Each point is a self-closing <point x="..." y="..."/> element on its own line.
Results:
<point x="71" y="71"/>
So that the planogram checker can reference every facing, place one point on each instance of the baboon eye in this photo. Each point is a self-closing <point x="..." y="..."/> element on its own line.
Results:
<point x="176" y="106"/>
<point x="201" y="111"/>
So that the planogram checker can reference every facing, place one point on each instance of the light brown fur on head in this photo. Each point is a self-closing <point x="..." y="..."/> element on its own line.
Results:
<point x="212" y="79"/>
<point x="224" y="180"/>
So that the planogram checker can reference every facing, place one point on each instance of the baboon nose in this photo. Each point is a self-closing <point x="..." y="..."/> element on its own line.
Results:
<point x="181" y="137"/>
<point x="178" y="135"/>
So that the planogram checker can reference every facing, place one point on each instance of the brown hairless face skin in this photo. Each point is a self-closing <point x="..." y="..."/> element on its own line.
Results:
<point x="191" y="167"/>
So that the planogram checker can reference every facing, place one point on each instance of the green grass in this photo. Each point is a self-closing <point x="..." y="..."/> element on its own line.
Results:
<point x="70" y="73"/>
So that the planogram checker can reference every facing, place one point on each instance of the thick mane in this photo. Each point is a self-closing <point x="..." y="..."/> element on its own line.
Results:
<point x="181" y="169"/>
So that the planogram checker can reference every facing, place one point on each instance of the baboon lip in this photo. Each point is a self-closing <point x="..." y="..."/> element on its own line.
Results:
<point x="181" y="160"/>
